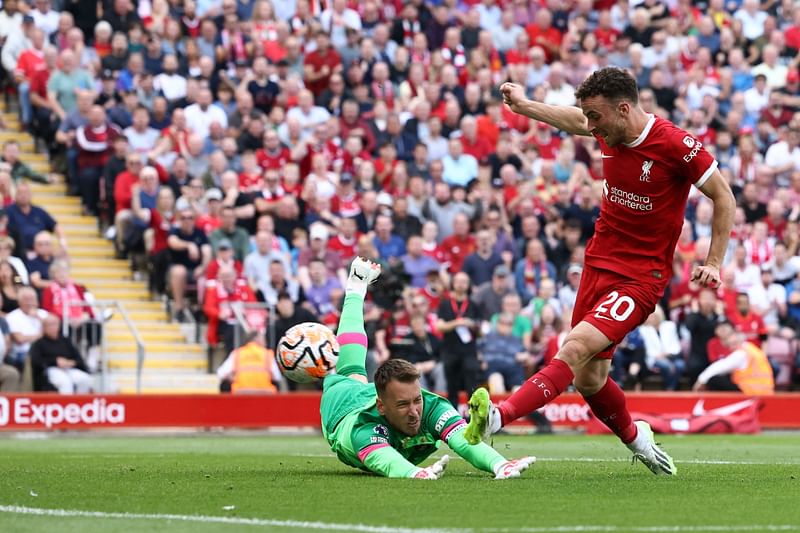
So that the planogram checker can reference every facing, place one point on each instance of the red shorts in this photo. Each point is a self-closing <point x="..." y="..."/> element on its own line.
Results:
<point x="614" y="304"/>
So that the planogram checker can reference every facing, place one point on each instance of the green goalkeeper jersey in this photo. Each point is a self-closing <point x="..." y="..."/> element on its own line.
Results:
<point x="362" y="438"/>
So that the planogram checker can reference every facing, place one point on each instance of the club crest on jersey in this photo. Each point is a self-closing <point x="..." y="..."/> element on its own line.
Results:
<point x="646" y="166"/>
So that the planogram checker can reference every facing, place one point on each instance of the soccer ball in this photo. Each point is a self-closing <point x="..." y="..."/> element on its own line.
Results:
<point x="308" y="352"/>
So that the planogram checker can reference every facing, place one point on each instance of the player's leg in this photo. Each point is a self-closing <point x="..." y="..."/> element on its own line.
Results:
<point x="351" y="334"/>
<point x="582" y="343"/>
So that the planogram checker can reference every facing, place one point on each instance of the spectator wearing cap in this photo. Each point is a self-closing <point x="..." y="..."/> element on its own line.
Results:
<point x="190" y="254"/>
<point x="224" y="259"/>
<point x="17" y="41"/>
<point x="459" y="168"/>
<point x="568" y="293"/>
<point x="480" y="264"/>
<point x="233" y="233"/>
<point x="318" y="248"/>
<point x="489" y="295"/>
<point x="416" y="263"/>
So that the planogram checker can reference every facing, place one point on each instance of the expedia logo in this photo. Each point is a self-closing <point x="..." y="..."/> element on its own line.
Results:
<point x="24" y="412"/>
<point x="691" y="155"/>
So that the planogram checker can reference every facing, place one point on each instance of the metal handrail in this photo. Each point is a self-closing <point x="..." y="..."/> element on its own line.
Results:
<point x="241" y="321"/>
<point x="139" y="345"/>
<point x="99" y="307"/>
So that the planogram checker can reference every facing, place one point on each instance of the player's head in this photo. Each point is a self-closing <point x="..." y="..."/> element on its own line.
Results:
<point x="609" y="97"/>
<point x="399" y="395"/>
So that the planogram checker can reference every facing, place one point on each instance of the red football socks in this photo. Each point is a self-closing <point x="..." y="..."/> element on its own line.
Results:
<point x="608" y="405"/>
<point x="537" y="391"/>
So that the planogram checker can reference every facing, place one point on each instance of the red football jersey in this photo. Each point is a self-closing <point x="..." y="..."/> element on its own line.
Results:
<point x="644" y="198"/>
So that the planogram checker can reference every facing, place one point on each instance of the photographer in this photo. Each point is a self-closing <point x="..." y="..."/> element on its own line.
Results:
<point x="459" y="321"/>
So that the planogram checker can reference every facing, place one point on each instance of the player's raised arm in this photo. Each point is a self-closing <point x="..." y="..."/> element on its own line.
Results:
<point x="565" y="118"/>
<point x="718" y="190"/>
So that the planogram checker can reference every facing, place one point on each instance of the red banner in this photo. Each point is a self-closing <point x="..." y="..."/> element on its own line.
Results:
<point x="51" y="411"/>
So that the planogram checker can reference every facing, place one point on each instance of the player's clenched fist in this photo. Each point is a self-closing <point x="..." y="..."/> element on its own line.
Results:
<point x="706" y="276"/>
<point x="435" y="471"/>
<point x="513" y="95"/>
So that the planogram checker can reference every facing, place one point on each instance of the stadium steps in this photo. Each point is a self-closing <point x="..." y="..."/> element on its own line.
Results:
<point x="172" y="364"/>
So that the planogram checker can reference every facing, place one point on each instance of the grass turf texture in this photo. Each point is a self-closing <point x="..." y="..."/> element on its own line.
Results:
<point x="578" y="481"/>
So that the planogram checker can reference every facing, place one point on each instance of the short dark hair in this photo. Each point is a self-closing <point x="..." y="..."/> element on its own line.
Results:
<point x="394" y="369"/>
<point x="610" y="82"/>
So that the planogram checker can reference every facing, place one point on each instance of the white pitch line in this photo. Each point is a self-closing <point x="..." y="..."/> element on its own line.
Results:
<point x="260" y="522"/>
<point x="229" y="520"/>
<point x="647" y="529"/>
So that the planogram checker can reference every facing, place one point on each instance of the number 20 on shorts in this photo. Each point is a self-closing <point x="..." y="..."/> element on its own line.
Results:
<point x="615" y="307"/>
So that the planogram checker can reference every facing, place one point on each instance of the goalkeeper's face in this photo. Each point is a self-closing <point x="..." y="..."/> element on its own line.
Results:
<point x="401" y="405"/>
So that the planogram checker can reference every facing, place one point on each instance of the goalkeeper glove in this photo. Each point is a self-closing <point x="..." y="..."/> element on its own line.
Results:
<point x="513" y="468"/>
<point x="435" y="471"/>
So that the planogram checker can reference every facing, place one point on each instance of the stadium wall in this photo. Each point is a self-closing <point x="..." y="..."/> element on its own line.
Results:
<point x="25" y="412"/>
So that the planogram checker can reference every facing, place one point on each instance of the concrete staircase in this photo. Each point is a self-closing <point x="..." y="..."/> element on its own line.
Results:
<point x="172" y="363"/>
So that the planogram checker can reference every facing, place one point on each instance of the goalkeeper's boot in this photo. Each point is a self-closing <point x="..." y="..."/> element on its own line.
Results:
<point x="484" y="418"/>
<point x="362" y="273"/>
<point x="646" y="450"/>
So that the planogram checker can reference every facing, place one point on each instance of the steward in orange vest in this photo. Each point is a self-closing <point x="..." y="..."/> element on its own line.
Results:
<point x="252" y="369"/>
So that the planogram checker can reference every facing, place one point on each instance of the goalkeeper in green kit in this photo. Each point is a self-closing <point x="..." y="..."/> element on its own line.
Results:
<point x="391" y="426"/>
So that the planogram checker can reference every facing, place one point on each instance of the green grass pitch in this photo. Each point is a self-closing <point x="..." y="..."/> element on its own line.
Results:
<point x="210" y="483"/>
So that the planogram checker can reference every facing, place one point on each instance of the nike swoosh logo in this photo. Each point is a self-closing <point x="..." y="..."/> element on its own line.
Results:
<point x="604" y="156"/>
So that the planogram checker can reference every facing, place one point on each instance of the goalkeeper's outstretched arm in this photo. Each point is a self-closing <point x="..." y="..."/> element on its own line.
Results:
<point x="386" y="461"/>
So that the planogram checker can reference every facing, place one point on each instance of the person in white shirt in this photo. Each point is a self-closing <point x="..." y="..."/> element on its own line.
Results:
<point x="306" y="113"/>
<point x="141" y="137"/>
<point x="10" y="18"/>
<point x="459" y="168"/>
<point x="768" y="299"/>
<point x="756" y="97"/>
<point x="200" y="115"/>
<point x="769" y="67"/>
<point x="18" y="40"/>
<point x="505" y="35"/>
<point x="559" y="92"/>
<point x="45" y="18"/>
<point x="169" y="82"/>
<point x="336" y="20"/>
<point x="745" y="274"/>
<point x="752" y="19"/>
<point x="783" y="157"/>
<point x="25" y="325"/>
<point x="663" y="348"/>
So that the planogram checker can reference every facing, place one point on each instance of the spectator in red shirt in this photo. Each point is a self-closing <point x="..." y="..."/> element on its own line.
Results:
<point x="748" y="322"/>
<point x="273" y="155"/>
<point x="474" y="145"/>
<point x="220" y="294"/>
<point x="320" y="64"/>
<point x="160" y="222"/>
<point x="460" y="244"/>
<point x="542" y="33"/>
<point x="544" y="140"/>
<point x="353" y="123"/>
<point x="29" y="62"/>
<point x="123" y="191"/>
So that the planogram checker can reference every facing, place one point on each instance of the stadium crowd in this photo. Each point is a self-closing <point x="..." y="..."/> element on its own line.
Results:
<point x="248" y="150"/>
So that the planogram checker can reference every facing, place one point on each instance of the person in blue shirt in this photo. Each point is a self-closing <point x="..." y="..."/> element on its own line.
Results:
<point x="390" y="247"/>
<point x="26" y="220"/>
